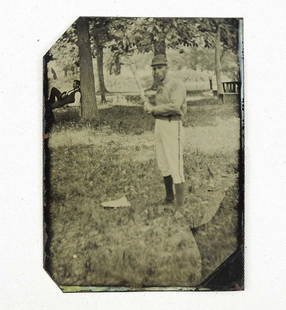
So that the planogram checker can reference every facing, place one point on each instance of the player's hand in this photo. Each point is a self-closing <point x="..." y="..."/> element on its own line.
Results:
<point x="150" y="93"/>
<point x="147" y="107"/>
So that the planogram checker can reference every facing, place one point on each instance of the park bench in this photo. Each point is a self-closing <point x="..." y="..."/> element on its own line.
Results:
<point x="231" y="92"/>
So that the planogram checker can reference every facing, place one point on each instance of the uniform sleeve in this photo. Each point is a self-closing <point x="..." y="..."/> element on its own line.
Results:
<point x="178" y="94"/>
<point x="175" y="100"/>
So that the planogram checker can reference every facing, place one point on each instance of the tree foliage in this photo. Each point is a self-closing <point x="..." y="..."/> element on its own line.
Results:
<point x="208" y="27"/>
<point x="126" y="34"/>
<point x="221" y="33"/>
<point x="142" y="34"/>
<point x="65" y="50"/>
<point x="195" y="38"/>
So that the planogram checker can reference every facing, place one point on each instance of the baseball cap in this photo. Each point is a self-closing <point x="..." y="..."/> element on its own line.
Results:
<point x="159" y="60"/>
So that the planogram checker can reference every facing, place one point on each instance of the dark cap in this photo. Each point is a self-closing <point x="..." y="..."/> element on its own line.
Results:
<point x="159" y="60"/>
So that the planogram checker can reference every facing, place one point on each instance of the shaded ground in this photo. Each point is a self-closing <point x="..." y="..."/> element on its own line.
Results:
<point x="133" y="120"/>
<point x="144" y="245"/>
<point x="228" y="232"/>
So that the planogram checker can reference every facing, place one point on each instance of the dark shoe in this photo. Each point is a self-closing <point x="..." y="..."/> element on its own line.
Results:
<point x="168" y="181"/>
<point x="163" y="202"/>
<point x="168" y="201"/>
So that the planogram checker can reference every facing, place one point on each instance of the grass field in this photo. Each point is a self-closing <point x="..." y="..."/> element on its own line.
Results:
<point x="146" y="244"/>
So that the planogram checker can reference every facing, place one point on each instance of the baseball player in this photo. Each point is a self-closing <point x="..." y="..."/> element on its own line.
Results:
<point x="168" y="105"/>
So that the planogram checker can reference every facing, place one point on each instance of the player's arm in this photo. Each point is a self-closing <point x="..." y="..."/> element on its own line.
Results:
<point x="177" y="98"/>
<point x="149" y="100"/>
<point x="170" y="108"/>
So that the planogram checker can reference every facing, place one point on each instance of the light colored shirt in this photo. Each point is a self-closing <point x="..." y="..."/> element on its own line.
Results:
<point x="170" y="98"/>
<point x="77" y="100"/>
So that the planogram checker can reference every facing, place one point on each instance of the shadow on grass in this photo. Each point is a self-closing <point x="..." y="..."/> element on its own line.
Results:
<point x="133" y="119"/>
<point x="120" y="119"/>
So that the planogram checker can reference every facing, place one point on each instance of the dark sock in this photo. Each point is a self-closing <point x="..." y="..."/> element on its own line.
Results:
<point x="168" y="181"/>
<point x="180" y="188"/>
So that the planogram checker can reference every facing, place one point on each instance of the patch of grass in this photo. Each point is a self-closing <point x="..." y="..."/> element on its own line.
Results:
<point x="222" y="230"/>
<point x="94" y="246"/>
<point x="133" y="120"/>
<point x="81" y="242"/>
<point x="120" y="119"/>
<point x="208" y="114"/>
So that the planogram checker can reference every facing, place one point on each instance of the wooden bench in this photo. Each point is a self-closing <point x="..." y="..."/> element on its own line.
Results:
<point x="231" y="92"/>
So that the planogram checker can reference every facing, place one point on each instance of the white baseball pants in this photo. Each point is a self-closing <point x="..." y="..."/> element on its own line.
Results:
<point x="169" y="141"/>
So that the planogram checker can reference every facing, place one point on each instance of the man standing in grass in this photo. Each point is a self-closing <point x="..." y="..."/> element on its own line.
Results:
<point x="168" y="105"/>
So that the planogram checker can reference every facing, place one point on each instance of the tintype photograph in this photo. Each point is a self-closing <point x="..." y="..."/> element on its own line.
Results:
<point x="144" y="155"/>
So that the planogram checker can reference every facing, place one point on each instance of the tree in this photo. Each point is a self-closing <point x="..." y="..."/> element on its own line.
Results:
<point x="65" y="50"/>
<point x="222" y="34"/>
<point x="100" y="35"/>
<point x="153" y="34"/>
<point x="158" y="34"/>
<point x="89" y="106"/>
<point x="120" y="41"/>
<point x="218" y="56"/>
<point x="55" y="77"/>
<point x="104" y="31"/>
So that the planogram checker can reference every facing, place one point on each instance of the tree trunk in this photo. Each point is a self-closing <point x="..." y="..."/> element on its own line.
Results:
<point x="160" y="47"/>
<point x="99" y="59"/>
<point x="89" y="106"/>
<point x="55" y="77"/>
<point x="218" y="65"/>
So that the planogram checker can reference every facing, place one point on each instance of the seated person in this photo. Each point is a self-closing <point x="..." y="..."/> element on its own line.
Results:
<point x="58" y="99"/>
<point x="72" y="96"/>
